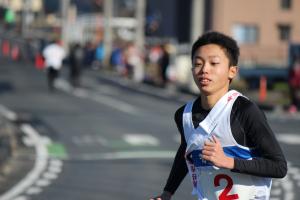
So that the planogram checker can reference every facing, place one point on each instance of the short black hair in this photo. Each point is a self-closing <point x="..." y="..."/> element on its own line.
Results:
<point x="225" y="42"/>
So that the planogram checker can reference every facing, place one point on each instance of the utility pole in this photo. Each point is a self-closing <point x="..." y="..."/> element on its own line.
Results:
<point x="138" y="75"/>
<point x="197" y="19"/>
<point x="25" y="17"/>
<point x="140" y="28"/>
<point x="108" y="14"/>
<point x="64" y="7"/>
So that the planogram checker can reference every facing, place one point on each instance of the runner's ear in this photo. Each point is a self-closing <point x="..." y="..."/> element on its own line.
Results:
<point x="233" y="70"/>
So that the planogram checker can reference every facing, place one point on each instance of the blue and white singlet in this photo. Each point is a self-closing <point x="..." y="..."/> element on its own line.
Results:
<point x="210" y="182"/>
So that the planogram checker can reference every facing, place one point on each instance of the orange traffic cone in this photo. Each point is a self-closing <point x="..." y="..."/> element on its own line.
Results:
<point x="262" y="89"/>
<point x="39" y="62"/>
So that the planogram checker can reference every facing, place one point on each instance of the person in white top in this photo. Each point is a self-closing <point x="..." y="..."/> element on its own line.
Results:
<point x="54" y="55"/>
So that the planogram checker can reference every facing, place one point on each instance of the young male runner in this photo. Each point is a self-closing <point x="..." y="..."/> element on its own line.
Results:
<point x="227" y="146"/>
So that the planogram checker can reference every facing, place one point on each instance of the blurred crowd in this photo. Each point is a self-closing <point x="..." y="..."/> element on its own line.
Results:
<point x="154" y="64"/>
<point x="150" y="65"/>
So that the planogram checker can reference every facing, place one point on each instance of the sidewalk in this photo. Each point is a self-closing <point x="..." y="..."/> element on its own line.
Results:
<point x="8" y="140"/>
<point x="8" y="145"/>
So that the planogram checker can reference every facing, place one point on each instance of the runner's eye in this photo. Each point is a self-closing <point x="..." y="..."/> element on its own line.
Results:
<point x="198" y="65"/>
<point x="214" y="63"/>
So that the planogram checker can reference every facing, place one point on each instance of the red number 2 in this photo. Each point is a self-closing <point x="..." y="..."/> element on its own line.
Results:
<point x="224" y="195"/>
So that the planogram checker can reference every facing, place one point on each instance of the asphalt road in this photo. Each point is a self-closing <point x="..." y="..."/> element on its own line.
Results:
<point x="107" y="142"/>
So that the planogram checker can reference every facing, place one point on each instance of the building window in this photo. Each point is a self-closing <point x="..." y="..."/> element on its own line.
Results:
<point x="284" y="32"/>
<point x="286" y="4"/>
<point x="245" y="34"/>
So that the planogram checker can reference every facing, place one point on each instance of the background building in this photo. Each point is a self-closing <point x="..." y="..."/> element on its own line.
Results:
<point x="264" y="29"/>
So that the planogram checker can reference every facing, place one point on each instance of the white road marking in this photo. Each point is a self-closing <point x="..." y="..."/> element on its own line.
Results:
<point x="127" y="155"/>
<point x="80" y="93"/>
<point x="289" y="138"/>
<point x="33" y="190"/>
<point x="46" y="140"/>
<point x="10" y="115"/>
<point x="141" y="140"/>
<point x="63" y="85"/>
<point x="296" y="177"/>
<point x="286" y="183"/>
<point x="54" y="169"/>
<point x="114" y="103"/>
<point x="276" y="183"/>
<point x="276" y="191"/>
<point x="50" y="175"/>
<point x="28" y="141"/>
<point x="56" y="162"/>
<point x="288" y="188"/>
<point x="106" y="100"/>
<point x="43" y="182"/>
<point x="39" y="165"/>
<point x="293" y="170"/>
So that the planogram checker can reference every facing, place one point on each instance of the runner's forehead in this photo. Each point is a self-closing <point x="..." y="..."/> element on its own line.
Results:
<point x="210" y="51"/>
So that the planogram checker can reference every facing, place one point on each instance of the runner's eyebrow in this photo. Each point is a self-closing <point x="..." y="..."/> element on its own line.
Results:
<point x="210" y="57"/>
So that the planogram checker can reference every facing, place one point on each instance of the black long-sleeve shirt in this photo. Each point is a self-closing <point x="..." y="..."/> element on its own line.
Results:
<point x="250" y="128"/>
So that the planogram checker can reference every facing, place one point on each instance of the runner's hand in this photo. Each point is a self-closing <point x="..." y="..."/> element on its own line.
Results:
<point x="213" y="152"/>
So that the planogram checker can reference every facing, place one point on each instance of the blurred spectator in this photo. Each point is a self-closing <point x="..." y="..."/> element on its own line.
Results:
<point x="15" y="53"/>
<point x="75" y="63"/>
<point x="89" y="54"/>
<point x="31" y="48"/>
<point x="117" y="60"/>
<point x="134" y="63"/>
<point x="294" y="84"/>
<point x="99" y="56"/>
<point x="54" y="54"/>
<point x="36" y="48"/>
<point x="154" y="56"/>
<point x="164" y="63"/>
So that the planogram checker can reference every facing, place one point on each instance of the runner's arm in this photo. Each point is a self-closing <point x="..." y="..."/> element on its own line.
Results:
<point x="271" y="162"/>
<point x="179" y="168"/>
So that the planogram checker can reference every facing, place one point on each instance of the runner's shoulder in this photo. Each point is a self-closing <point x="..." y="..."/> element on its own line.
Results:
<point x="178" y="113"/>
<point x="246" y="107"/>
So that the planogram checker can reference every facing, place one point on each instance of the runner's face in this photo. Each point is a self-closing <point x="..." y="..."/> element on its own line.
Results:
<point x="211" y="69"/>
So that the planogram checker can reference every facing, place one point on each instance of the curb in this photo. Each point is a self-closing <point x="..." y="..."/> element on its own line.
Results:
<point x="8" y="143"/>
